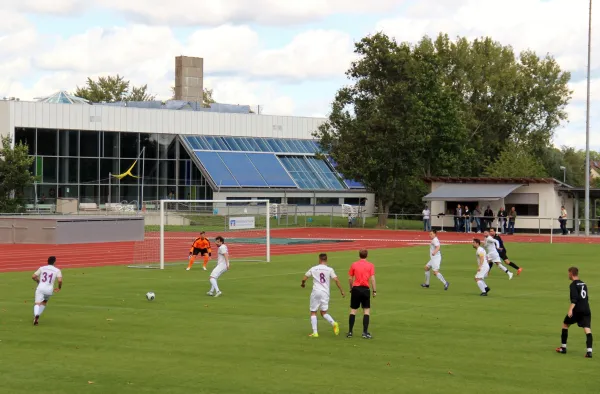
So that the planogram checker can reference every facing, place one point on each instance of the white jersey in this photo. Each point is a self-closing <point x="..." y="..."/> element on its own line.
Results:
<point x="478" y="253"/>
<point x="221" y="255"/>
<point x="322" y="275"/>
<point x="435" y="242"/>
<point x="48" y="275"/>
<point x="491" y="247"/>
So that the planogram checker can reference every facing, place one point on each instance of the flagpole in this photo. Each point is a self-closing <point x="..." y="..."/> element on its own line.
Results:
<point x="587" y="130"/>
<point x="143" y="162"/>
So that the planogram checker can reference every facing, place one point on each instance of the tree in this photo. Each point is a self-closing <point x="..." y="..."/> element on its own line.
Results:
<point x="14" y="175"/>
<point x="207" y="97"/>
<point x="396" y="122"/>
<point x="112" y="89"/>
<point x="516" y="161"/>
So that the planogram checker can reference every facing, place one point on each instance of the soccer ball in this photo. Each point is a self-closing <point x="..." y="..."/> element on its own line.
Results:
<point x="150" y="295"/>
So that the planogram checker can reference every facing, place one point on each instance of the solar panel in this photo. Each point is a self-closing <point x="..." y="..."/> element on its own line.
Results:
<point x="242" y="169"/>
<point x="216" y="169"/>
<point x="271" y="170"/>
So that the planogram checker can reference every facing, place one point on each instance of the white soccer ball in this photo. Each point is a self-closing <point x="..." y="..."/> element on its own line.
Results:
<point x="150" y="296"/>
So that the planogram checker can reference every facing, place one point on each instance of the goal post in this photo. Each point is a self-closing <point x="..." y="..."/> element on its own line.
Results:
<point x="173" y="225"/>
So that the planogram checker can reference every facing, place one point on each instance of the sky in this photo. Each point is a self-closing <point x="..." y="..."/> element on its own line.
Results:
<point x="288" y="56"/>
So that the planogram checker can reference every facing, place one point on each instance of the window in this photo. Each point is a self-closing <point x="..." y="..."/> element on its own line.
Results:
<point x="26" y="137"/>
<point x="525" y="209"/>
<point x="108" y="167"/>
<point x="88" y="171"/>
<point x="49" y="170"/>
<point x="70" y="191"/>
<point x="110" y="144"/>
<point x="130" y="145"/>
<point x="89" y="142"/>
<point x="47" y="142"/>
<point x="150" y="143"/>
<point x="166" y="146"/>
<point x="299" y="200"/>
<point x="328" y="201"/>
<point x="67" y="170"/>
<point x="272" y="200"/>
<point x="68" y="143"/>
<point x="89" y="193"/>
<point x="151" y="172"/>
<point x="167" y="172"/>
<point x="231" y="204"/>
<point x="136" y="170"/>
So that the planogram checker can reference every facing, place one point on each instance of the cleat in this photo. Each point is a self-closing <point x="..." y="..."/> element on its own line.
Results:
<point x="483" y="294"/>
<point x="210" y="293"/>
<point x="423" y="285"/>
<point x="588" y="355"/>
<point x="218" y="293"/>
<point x="447" y="285"/>
<point x="314" y="335"/>
<point x="36" y="320"/>
<point x="487" y="289"/>
<point x="187" y="269"/>
<point x="366" y="335"/>
<point x="510" y="275"/>
<point x="519" y="271"/>
<point x="336" y="328"/>
<point x="204" y="268"/>
<point x="349" y="335"/>
<point x="561" y="349"/>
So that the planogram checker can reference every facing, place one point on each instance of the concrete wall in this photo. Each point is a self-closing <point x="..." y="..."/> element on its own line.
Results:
<point x="162" y="121"/>
<point x="6" y="126"/>
<point x="549" y="201"/>
<point x="189" y="78"/>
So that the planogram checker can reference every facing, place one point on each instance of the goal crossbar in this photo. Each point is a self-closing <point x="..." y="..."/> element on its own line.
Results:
<point x="233" y="203"/>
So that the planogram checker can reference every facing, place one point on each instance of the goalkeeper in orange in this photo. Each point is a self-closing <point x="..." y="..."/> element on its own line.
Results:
<point x="201" y="245"/>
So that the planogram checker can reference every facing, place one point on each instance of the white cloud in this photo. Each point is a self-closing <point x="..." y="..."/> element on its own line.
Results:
<point x="56" y="7"/>
<point x="214" y="13"/>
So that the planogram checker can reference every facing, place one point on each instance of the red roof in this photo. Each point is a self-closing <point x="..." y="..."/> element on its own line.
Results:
<point x="451" y="179"/>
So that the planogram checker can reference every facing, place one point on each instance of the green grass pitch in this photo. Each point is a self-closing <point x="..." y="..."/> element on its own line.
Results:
<point x="100" y="335"/>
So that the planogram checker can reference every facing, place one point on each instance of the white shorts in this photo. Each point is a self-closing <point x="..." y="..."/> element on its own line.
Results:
<point x="485" y="269"/>
<point x="42" y="295"/>
<point x="434" y="263"/>
<point x="319" y="301"/>
<point x="218" y="271"/>
<point x="494" y="258"/>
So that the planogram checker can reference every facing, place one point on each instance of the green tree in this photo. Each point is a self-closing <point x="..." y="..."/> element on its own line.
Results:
<point x="516" y="161"/>
<point x="14" y="175"/>
<point x="207" y="97"/>
<point x="397" y="121"/>
<point x="112" y="89"/>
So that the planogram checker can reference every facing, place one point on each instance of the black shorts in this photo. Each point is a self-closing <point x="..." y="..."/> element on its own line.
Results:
<point x="503" y="255"/>
<point x="582" y="320"/>
<point x="202" y="252"/>
<point x="360" y="297"/>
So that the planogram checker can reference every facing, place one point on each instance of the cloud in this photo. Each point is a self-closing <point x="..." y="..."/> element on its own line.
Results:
<point x="268" y="12"/>
<point x="54" y="7"/>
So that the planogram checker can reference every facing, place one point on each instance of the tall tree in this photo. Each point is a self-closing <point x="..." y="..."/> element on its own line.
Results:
<point x="207" y="97"/>
<point x="14" y="175"/>
<point x="386" y="125"/>
<point x="516" y="160"/>
<point x="112" y="89"/>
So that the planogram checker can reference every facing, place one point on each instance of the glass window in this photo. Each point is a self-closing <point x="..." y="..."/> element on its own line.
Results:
<point x="89" y="193"/>
<point x="49" y="170"/>
<point x="130" y="145"/>
<point x="68" y="143"/>
<point x="203" y="143"/>
<point x="127" y="165"/>
<point x="114" y="194"/>
<point x="150" y="142"/>
<point x="183" y="155"/>
<point x="130" y="193"/>
<point x="47" y="142"/>
<point x="167" y="172"/>
<point x="262" y="144"/>
<point x="166" y="146"/>
<point x="253" y="146"/>
<point x="233" y="143"/>
<point x="271" y="143"/>
<point x="89" y="142"/>
<point x="88" y="170"/>
<point x="26" y="137"/>
<point x="328" y="201"/>
<point x="70" y="191"/>
<point x="150" y="194"/>
<point x="110" y="144"/>
<point x="46" y="194"/>
<point x="150" y="168"/>
<point x="298" y="200"/>
<point x="67" y="170"/>
<point x="192" y="142"/>
<point x="283" y="146"/>
<point x="109" y="167"/>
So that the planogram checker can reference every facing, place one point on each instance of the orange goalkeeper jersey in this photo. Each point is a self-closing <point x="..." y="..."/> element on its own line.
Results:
<point x="200" y="243"/>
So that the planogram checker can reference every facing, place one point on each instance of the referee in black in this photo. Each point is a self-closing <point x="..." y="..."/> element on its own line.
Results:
<point x="579" y="312"/>
<point x="502" y="252"/>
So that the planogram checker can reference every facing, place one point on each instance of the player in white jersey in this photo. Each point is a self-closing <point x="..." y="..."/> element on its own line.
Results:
<point x="45" y="277"/>
<point x="491" y="247"/>
<point x="221" y="268"/>
<point x="319" y="298"/>
<point x="435" y="260"/>
<point x="482" y="267"/>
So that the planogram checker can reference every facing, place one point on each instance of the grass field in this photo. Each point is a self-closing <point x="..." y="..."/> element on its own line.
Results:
<point x="100" y="335"/>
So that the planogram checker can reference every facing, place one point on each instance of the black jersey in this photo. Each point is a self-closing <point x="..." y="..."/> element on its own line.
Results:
<point x="500" y="242"/>
<point x="580" y="297"/>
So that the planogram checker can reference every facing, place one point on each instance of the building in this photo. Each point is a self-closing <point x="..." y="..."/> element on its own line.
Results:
<point x="537" y="200"/>
<point x="222" y="153"/>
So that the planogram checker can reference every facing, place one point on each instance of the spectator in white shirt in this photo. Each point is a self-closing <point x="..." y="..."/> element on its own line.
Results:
<point x="426" y="219"/>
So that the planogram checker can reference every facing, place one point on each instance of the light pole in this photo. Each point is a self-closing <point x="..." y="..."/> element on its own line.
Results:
<point x="564" y="170"/>
<point x="587" y="129"/>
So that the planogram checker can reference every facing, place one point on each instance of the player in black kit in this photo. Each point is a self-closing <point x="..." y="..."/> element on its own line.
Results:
<point x="579" y="312"/>
<point x="502" y="252"/>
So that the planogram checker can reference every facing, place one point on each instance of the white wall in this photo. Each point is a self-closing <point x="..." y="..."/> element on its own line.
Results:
<point x="5" y="118"/>
<point x="107" y="118"/>
<point x="549" y="201"/>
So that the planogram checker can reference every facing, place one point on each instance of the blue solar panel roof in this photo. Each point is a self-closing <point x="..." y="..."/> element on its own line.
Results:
<point x="242" y="169"/>
<point x="251" y="144"/>
<point x="217" y="170"/>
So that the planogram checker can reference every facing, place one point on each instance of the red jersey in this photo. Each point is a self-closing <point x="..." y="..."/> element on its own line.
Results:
<point x="361" y="270"/>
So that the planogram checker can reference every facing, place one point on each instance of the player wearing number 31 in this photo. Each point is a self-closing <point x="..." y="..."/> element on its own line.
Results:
<point x="579" y="312"/>
<point x="45" y="277"/>
<point x="319" y="298"/>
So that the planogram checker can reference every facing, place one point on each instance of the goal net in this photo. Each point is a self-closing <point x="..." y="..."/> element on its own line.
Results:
<point x="173" y="225"/>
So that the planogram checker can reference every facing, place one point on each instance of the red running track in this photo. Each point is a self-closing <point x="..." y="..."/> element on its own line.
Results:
<point x="30" y="257"/>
